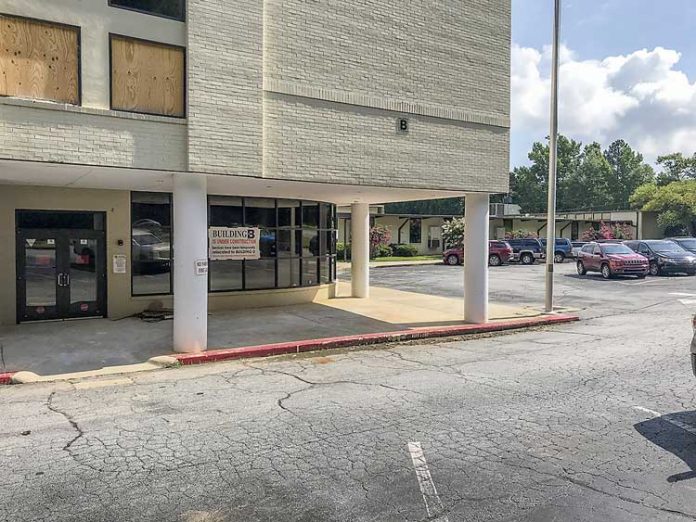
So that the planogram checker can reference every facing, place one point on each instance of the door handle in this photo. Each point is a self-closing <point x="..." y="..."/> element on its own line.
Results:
<point x="67" y="279"/>
<point x="60" y="279"/>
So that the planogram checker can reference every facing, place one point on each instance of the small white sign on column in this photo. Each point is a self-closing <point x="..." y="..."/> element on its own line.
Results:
<point x="201" y="267"/>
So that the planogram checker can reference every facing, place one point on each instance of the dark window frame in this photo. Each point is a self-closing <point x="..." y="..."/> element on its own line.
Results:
<point x="113" y="36"/>
<point x="79" y="56"/>
<point x="294" y="257"/>
<point x="181" y="18"/>
<point x="411" y="223"/>
<point x="171" y="245"/>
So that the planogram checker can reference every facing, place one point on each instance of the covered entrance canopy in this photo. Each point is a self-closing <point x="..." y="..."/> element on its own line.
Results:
<point x="61" y="187"/>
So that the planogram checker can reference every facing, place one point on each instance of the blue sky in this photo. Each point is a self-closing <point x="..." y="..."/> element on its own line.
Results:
<point x="609" y="88"/>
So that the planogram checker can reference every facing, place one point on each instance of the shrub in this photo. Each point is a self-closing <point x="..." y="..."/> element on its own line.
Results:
<point x="380" y="235"/>
<point x="453" y="233"/>
<point x="520" y="234"/>
<point x="405" y="251"/>
<point x="382" y="251"/>
<point x="342" y="250"/>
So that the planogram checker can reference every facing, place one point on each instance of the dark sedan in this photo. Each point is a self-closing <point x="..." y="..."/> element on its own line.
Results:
<point x="687" y="243"/>
<point x="665" y="257"/>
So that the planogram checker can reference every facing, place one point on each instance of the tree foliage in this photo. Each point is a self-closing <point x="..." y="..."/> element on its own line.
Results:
<point x="453" y="232"/>
<point x="433" y="207"/>
<point x="675" y="203"/>
<point x="587" y="177"/>
<point x="676" y="167"/>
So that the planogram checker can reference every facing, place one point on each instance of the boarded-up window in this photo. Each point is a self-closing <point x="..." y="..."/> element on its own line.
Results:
<point x="147" y="77"/>
<point x="39" y="60"/>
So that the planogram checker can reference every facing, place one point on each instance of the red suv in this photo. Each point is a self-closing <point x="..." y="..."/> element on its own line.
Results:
<point x="499" y="253"/>
<point x="611" y="259"/>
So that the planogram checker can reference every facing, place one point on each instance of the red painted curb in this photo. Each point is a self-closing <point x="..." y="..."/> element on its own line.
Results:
<point x="266" y="350"/>
<point x="6" y="378"/>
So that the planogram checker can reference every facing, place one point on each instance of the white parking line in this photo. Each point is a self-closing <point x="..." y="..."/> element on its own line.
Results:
<point x="669" y="418"/>
<point x="688" y="302"/>
<point x="682" y="294"/>
<point x="433" y="504"/>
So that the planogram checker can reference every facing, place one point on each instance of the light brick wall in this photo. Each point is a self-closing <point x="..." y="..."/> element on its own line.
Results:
<point x="450" y="52"/>
<point x="339" y="74"/>
<point x="90" y="137"/>
<point x="311" y="140"/>
<point x="225" y="68"/>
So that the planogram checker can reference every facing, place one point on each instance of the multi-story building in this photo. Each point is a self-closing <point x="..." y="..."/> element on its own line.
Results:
<point x="134" y="130"/>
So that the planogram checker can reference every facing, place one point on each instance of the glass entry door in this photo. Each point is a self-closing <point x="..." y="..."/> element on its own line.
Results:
<point x="61" y="274"/>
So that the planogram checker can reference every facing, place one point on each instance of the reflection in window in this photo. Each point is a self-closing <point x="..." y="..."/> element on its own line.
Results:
<point x="151" y="251"/>
<point x="297" y="243"/>
<point x="167" y="8"/>
<point x="415" y="230"/>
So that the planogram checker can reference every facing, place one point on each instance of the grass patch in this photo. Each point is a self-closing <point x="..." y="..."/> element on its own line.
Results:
<point x="412" y="258"/>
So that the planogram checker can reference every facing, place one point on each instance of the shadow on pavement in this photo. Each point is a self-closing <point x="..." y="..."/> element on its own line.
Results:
<point x="676" y="433"/>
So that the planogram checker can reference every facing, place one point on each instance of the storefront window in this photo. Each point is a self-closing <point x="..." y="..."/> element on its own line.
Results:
<point x="151" y="248"/>
<point x="297" y="243"/>
<point x="295" y="235"/>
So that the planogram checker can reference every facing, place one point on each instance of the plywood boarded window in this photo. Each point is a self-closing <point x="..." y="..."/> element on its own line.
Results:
<point x="39" y="60"/>
<point x="147" y="77"/>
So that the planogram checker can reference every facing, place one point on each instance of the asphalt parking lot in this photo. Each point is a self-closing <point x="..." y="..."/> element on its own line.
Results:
<point x="516" y="284"/>
<point x="591" y="421"/>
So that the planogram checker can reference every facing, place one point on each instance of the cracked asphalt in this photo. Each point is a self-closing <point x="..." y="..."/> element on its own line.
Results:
<point x="591" y="421"/>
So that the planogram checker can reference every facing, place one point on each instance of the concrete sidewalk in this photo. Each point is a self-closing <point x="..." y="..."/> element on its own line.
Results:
<point x="73" y="346"/>
<point x="345" y="265"/>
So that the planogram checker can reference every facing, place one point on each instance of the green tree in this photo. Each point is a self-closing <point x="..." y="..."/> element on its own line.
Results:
<point x="529" y="185"/>
<point x="453" y="232"/>
<point x="628" y="172"/>
<point x="587" y="185"/>
<point x="433" y="207"/>
<point x="676" y="167"/>
<point x="675" y="203"/>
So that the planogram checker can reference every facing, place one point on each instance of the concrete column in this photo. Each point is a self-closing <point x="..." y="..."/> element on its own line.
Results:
<point x="476" y="258"/>
<point x="190" y="248"/>
<point x="360" y="249"/>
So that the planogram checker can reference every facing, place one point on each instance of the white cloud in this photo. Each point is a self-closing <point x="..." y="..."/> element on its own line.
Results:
<point x="642" y="97"/>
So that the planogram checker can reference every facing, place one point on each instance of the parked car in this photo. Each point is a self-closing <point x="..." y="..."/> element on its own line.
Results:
<point x="610" y="259"/>
<point x="499" y="253"/>
<point x="562" y="250"/>
<point x="577" y="245"/>
<point x="665" y="257"/>
<point x="527" y="251"/>
<point x="687" y="243"/>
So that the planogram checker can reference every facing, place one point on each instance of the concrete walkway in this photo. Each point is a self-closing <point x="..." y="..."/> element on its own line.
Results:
<point x="71" y="346"/>
<point x="345" y="265"/>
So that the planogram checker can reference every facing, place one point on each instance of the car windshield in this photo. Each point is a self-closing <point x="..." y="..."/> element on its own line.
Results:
<point x="617" y="249"/>
<point x="687" y="243"/>
<point x="666" y="247"/>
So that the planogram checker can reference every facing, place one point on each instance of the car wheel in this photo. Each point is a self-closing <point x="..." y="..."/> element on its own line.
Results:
<point x="452" y="260"/>
<point x="654" y="269"/>
<point x="606" y="272"/>
<point x="580" y="267"/>
<point x="527" y="259"/>
<point x="559" y="257"/>
<point x="494" y="260"/>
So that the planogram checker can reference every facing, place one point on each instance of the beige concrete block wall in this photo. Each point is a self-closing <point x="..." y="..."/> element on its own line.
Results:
<point x="315" y="140"/>
<point x="452" y="53"/>
<point x="225" y="71"/>
<point x="38" y="132"/>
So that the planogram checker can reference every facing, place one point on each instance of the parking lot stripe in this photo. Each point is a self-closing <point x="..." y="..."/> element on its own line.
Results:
<point x="433" y="504"/>
<point x="669" y="418"/>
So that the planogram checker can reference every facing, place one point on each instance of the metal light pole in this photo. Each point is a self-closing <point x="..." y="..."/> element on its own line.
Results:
<point x="553" y="159"/>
